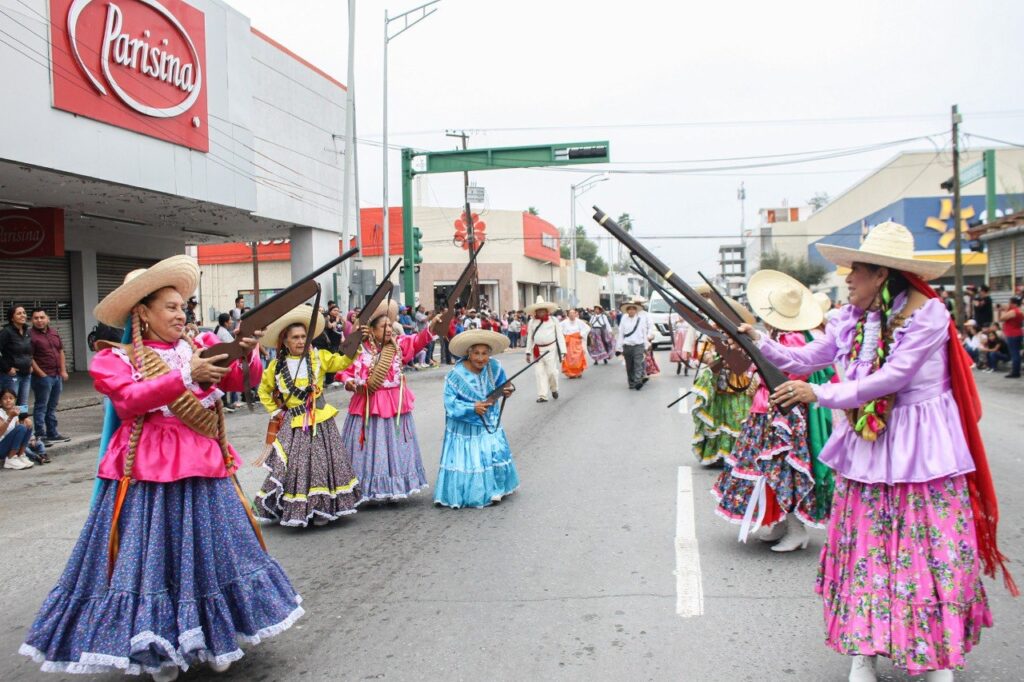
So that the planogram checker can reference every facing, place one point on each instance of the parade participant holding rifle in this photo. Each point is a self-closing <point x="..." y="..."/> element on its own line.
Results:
<point x="170" y="570"/>
<point x="476" y="461"/>
<point x="310" y="475"/>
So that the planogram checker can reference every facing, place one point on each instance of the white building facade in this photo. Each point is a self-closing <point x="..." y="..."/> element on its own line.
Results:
<point x="141" y="128"/>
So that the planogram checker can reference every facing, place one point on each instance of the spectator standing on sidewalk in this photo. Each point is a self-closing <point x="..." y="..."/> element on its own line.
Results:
<point x="16" y="356"/>
<point x="1012" y="318"/>
<point x="49" y="372"/>
<point x="236" y="312"/>
<point x="223" y="332"/>
<point x="190" y="312"/>
<point x="983" y="307"/>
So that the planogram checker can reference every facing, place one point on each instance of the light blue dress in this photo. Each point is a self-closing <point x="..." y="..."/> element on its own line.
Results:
<point x="476" y="465"/>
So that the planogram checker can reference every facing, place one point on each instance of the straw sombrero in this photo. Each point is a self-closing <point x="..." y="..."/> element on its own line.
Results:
<point x="179" y="272"/>
<point x="635" y="302"/>
<point x="823" y="300"/>
<point x="463" y="341"/>
<point x="890" y="245"/>
<point x="539" y="304"/>
<point x="388" y="307"/>
<point x="740" y="309"/>
<point x="300" y="314"/>
<point x="783" y="302"/>
<point x="702" y="289"/>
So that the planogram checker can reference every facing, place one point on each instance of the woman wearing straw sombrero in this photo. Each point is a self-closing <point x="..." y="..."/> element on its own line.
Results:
<point x="310" y="475"/>
<point x="914" y="515"/>
<point x="769" y="481"/>
<point x="476" y="461"/>
<point x="170" y="569"/>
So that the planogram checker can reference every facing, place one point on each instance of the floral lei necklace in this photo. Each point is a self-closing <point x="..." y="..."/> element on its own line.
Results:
<point x="869" y="420"/>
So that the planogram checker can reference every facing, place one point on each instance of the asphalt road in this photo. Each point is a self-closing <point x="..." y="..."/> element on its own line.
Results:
<point x="571" y="578"/>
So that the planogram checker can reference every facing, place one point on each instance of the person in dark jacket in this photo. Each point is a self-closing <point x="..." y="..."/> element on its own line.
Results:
<point x="16" y="356"/>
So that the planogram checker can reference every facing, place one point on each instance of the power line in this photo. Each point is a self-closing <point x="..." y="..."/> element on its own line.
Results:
<point x="994" y="139"/>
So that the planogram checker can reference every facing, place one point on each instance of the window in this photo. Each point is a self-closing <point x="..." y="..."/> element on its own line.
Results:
<point x="548" y="241"/>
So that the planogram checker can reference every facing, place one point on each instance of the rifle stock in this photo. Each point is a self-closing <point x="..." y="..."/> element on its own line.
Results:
<point x="455" y="293"/>
<point x="772" y="375"/>
<point x="350" y="345"/>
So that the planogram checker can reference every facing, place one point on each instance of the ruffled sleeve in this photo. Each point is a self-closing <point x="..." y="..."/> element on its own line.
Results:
<point x="234" y="380"/>
<point x="818" y="354"/>
<point x="334" y="362"/>
<point x="266" y="390"/>
<point x="115" y="378"/>
<point x="411" y="344"/>
<point x="926" y="333"/>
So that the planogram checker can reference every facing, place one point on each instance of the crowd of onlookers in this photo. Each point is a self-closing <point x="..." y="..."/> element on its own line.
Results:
<point x="32" y="365"/>
<point x="993" y="333"/>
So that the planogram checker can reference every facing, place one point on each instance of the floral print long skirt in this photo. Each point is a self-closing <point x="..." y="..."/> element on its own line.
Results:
<point x="900" y="575"/>
<point x="717" y="418"/>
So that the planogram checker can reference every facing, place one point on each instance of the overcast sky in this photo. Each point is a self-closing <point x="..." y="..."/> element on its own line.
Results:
<point x="667" y="84"/>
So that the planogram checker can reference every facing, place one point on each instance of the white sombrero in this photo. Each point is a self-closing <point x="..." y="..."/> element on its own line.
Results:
<point x="740" y="309"/>
<point x="890" y="245"/>
<point x="300" y="314"/>
<point x="179" y="272"/>
<point x="540" y="304"/>
<point x="823" y="300"/>
<point x="463" y="341"/>
<point x="783" y="302"/>
<point x="635" y="302"/>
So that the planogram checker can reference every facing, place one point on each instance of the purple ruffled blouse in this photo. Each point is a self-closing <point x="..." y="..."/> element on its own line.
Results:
<point x="923" y="439"/>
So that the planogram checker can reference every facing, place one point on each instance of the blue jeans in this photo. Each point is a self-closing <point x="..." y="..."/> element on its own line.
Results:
<point x="44" y="414"/>
<point x="20" y="384"/>
<point x="1014" y="342"/>
<point x="994" y="358"/>
<point x="15" y="441"/>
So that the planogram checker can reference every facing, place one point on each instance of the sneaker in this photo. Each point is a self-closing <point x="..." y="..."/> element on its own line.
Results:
<point x="26" y="463"/>
<point x="13" y="463"/>
<point x="56" y="438"/>
<point x="229" y="410"/>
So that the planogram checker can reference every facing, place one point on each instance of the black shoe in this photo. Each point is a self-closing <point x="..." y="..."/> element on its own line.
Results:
<point x="542" y="400"/>
<point x="57" y="438"/>
<point x="639" y="386"/>
<point x="1012" y="376"/>
<point x="554" y="394"/>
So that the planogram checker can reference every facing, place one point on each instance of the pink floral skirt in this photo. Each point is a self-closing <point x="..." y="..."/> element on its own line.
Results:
<point x="900" y="574"/>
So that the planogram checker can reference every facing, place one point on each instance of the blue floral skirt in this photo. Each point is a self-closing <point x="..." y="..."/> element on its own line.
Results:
<point x="476" y="466"/>
<point x="191" y="584"/>
<point x="385" y="456"/>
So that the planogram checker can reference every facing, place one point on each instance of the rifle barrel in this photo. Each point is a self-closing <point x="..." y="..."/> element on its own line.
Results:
<point x="316" y="273"/>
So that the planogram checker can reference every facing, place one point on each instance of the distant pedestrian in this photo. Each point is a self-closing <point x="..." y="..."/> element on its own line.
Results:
<point x="191" y="317"/>
<point x="544" y="334"/>
<point x="1012" y="319"/>
<point x="600" y="342"/>
<point x="236" y="312"/>
<point x="635" y="333"/>
<point x="983" y="307"/>
<point x="49" y="372"/>
<point x="16" y="356"/>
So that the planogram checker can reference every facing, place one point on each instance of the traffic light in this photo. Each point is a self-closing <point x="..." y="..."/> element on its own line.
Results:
<point x="417" y="246"/>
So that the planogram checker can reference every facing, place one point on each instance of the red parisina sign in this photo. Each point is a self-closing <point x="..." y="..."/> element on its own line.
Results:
<point x="135" y="64"/>
<point x="33" y="233"/>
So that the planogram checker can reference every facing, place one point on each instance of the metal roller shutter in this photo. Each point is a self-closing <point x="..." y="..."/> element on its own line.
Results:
<point x="110" y="271"/>
<point x="44" y="283"/>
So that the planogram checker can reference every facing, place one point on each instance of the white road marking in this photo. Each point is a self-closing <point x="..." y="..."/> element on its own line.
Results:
<point x="689" y="588"/>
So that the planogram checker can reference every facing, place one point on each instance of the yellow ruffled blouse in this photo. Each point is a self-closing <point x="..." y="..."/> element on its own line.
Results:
<point x="324" y="361"/>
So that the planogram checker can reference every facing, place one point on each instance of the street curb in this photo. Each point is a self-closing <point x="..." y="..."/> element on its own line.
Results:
<point x="76" y="446"/>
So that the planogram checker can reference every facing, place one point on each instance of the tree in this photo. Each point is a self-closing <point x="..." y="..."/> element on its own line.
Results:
<point x="800" y="269"/>
<point x="533" y="210"/>
<point x="586" y="250"/>
<point x="819" y="201"/>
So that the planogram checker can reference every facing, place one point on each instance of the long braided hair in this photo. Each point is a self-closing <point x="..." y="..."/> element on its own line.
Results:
<point x="868" y="419"/>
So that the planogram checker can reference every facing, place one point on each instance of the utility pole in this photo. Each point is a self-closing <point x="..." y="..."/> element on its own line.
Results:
<point x="958" y="263"/>
<point x="255" y="276"/>
<point x="351" y="183"/>
<point x="474" y="287"/>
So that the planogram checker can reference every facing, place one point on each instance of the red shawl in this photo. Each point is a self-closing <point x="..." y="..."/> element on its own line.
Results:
<point x="983" y="492"/>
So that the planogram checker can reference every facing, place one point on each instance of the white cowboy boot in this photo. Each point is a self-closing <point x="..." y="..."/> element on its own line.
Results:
<point x="862" y="669"/>
<point x="939" y="676"/>
<point x="796" y="536"/>
<point x="220" y="667"/>
<point x="766" y="534"/>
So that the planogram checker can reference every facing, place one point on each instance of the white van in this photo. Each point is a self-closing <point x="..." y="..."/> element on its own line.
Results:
<point x="660" y="314"/>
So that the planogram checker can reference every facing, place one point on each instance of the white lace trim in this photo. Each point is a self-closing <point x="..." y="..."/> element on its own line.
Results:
<point x="178" y="359"/>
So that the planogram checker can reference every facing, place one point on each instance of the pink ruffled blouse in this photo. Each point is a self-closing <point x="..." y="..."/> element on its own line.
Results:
<point x="385" y="401"/>
<point x="168" y="450"/>
<point x="924" y="439"/>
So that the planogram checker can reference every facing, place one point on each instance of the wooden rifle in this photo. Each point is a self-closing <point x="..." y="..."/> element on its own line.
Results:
<point x="499" y="392"/>
<point x="350" y="346"/>
<point x="275" y="307"/>
<point x="466" y="280"/>
<point x="772" y="375"/>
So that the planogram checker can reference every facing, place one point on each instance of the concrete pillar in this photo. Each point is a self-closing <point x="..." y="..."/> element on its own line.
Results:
<point x="312" y="247"/>
<point x="84" y="297"/>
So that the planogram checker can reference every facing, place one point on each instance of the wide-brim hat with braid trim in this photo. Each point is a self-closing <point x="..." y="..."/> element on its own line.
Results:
<point x="783" y="302"/>
<point x="888" y="244"/>
<point x="463" y="341"/>
<point x="300" y="314"/>
<point x="388" y="307"/>
<point x="178" y="272"/>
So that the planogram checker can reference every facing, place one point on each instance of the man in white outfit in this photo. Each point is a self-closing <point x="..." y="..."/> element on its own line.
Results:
<point x="635" y="333"/>
<point x="544" y="334"/>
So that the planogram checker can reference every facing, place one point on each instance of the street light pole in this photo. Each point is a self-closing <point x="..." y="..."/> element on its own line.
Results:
<point x="388" y="37"/>
<point x="574" y="190"/>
